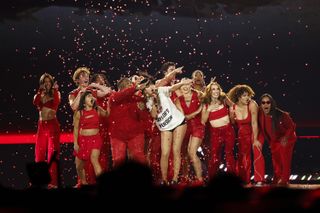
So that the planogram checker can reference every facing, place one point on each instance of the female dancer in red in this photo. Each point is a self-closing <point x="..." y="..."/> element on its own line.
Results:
<point x="216" y="110"/>
<point x="47" y="101"/>
<point x="245" y="113"/>
<point x="198" y="81"/>
<point x="87" y="139"/>
<point x="279" y="129"/>
<point x="81" y="79"/>
<point x="191" y="106"/>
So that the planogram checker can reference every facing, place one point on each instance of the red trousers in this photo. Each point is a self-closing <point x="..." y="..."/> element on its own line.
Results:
<point x="258" y="162"/>
<point x="135" y="147"/>
<point x="244" y="157"/>
<point x="219" y="136"/>
<point x="48" y="141"/>
<point x="281" y="161"/>
<point x="244" y="160"/>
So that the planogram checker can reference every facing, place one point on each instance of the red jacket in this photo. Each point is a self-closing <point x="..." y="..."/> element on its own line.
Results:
<point x="285" y="127"/>
<point x="124" y="119"/>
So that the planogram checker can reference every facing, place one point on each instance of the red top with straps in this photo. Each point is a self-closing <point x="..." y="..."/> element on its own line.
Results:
<point x="220" y="113"/>
<point x="244" y="125"/>
<point x="246" y="121"/>
<point x="89" y="119"/>
<point x="51" y="104"/>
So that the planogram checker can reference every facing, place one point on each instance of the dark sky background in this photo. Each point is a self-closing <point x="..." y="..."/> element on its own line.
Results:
<point x="272" y="45"/>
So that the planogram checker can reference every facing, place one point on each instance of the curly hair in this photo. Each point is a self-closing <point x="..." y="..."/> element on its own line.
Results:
<point x="237" y="91"/>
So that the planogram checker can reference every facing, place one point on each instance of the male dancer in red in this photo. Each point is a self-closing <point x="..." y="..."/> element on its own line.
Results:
<point x="279" y="129"/>
<point x="81" y="79"/>
<point x="105" y="154"/>
<point x="126" y="130"/>
<point x="47" y="101"/>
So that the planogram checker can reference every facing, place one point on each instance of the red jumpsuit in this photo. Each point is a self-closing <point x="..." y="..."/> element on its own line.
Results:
<point x="48" y="135"/>
<point x="218" y="137"/>
<point x="245" y="139"/>
<point x="88" y="120"/>
<point x="281" y="155"/>
<point x="126" y="130"/>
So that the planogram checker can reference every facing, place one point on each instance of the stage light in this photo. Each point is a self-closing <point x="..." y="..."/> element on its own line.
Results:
<point x="303" y="177"/>
<point x="221" y="166"/>
<point x="309" y="178"/>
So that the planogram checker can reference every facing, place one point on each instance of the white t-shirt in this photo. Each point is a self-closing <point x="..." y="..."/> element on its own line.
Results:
<point x="169" y="117"/>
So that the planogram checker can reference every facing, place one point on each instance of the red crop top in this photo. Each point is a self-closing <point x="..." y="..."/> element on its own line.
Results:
<point x="219" y="113"/>
<point x="51" y="104"/>
<point x="89" y="119"/>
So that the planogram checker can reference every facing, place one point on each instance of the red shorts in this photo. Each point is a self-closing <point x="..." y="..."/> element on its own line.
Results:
<point x="87" y="144"/>
<point x="196" y="130"/>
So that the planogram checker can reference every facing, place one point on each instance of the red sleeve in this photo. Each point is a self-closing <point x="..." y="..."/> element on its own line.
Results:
<point x="122" y="95"/>
<point x="56" y="99"/>
<point x="37" y="99"/>
<point x="93" y="91"/>
<point x="174" y="96"/>
<point x="289" y="124"/>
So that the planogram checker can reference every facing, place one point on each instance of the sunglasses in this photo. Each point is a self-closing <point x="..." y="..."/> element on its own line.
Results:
<point x="265" y="102"/>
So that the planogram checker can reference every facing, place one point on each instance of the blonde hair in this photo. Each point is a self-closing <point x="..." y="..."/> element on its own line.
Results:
<point x="78" y="71"/>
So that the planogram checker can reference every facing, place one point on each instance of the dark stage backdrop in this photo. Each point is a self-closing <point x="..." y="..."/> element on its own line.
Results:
<point x="272" y="45"/>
